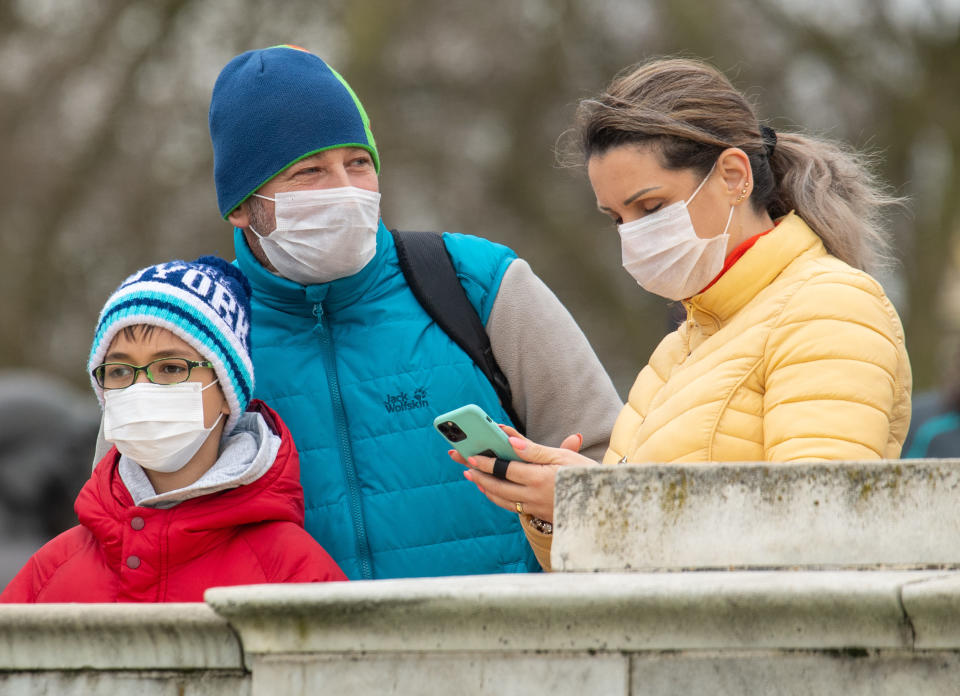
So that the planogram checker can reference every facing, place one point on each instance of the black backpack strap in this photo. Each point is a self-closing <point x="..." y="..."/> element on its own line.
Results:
<point x="429" y="271"/>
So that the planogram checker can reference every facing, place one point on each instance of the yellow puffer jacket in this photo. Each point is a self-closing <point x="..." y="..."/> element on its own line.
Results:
<point x="791" y="354"/>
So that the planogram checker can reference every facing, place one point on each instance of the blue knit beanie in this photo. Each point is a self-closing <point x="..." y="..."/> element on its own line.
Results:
<point x="272" y="107"/>
<point x="204" y="302"/>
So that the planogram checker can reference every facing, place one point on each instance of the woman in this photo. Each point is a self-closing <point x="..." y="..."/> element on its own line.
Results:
<point x="789" y="350"/>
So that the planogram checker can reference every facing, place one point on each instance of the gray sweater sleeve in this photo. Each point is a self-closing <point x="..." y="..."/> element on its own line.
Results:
<point x="559" y="386"/>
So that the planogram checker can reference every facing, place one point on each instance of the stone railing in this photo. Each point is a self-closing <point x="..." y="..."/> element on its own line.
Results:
<point x="843" y="580"/>
<point x="892" y="514"/>
<point x="141" y="649"/>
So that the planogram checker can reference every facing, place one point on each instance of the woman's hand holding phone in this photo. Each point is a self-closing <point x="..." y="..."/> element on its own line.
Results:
<point x="529" y="484"/>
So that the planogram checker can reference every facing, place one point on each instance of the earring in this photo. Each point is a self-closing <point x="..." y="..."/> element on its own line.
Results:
<point x="743" y="192"/>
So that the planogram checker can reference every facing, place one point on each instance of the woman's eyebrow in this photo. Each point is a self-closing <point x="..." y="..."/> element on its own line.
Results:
<point x="639" y="193"/>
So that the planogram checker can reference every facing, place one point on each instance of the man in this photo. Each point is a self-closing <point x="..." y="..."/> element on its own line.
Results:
<point x="347" y="355"/>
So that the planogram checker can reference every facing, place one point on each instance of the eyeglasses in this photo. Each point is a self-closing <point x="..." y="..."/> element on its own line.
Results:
<point x="115" y="375"/>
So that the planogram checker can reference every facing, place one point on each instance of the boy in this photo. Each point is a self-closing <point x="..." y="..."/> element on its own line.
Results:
<point x="201" y="487"/>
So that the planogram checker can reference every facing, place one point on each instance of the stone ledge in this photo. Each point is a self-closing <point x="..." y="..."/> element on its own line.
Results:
<point x="116" y="637"/>
<point x="934" y="609"/>
<point x="628" y="612"/>
<point x="899" y="514"/>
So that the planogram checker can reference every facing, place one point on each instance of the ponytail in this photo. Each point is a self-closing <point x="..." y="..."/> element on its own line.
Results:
<point x="834" y="190"/>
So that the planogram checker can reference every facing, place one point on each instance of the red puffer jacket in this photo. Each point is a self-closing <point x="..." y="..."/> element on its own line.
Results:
<point x="124" y="553"/>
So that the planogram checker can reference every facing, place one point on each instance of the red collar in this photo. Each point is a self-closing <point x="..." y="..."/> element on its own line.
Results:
<point x="735" y="255"/>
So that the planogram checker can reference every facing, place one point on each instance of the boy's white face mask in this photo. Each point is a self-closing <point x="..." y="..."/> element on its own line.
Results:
<point x="664" y="254"/>
<point x="322" y="234"/>
<point x="158" y="426"/>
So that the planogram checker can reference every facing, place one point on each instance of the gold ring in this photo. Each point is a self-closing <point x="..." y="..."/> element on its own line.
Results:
<point x="519" y="507"/>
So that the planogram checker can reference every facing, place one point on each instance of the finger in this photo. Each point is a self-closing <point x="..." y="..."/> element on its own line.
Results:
<point x="508" y="490"/>
<point x="508" y="505"/>
<point x="538" y="454"/>
<point x="519" y="472"/>
<point x="530" y="451"/>
<point x="572" y="442"/>
<point x="510" y="430"/>
<point x="508" y="501"/>
<point x="500" y="467"/>
<point x="457" y="457"/>
<point x="481" y="463"/>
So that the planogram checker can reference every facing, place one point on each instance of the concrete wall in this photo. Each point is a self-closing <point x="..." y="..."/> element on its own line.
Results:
<point x="851" y="632"/>
<point x="107" y="650"/>
<point x="900" y="514"/>
<point x="797" y="627"/>
<point x="716" y="632"/>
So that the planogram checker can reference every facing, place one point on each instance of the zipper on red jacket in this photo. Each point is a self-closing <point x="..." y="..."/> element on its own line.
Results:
<point x="364" y="557"/>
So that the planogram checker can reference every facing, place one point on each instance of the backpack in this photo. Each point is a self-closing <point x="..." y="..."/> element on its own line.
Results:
<point x="429" y="272"/>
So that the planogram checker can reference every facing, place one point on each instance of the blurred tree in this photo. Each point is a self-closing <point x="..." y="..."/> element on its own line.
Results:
<point x="889" y="65"/>
<point x="107" y="165"/>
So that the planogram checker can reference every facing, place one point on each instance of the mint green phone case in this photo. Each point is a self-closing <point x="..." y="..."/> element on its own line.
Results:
<point x="471" y="431"/>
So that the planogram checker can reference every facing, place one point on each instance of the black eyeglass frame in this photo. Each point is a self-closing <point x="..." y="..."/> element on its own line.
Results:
<point x="99" y="370"/>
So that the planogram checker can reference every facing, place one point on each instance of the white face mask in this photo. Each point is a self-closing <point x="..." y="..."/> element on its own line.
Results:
<point x="322" y="234"/>
<point x="158" y="426"/>
<point x="664" y="254"/>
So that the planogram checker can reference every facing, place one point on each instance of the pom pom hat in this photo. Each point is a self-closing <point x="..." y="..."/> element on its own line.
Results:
<point x="204" y="302"/>
<point x="272" y="107"/>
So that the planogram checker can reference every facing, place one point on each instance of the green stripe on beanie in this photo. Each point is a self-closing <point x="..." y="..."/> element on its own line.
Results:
<point x="272" y="107"/>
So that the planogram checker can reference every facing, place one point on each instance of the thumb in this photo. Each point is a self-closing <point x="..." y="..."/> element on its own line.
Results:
<point x="572" y="442"/>
<point x="530" y="451"/>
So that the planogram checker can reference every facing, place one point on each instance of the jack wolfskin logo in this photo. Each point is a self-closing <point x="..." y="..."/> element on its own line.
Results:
<point x="394" y="403"/>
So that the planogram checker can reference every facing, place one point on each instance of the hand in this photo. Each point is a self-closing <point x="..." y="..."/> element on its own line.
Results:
<point x="529" y="482"/>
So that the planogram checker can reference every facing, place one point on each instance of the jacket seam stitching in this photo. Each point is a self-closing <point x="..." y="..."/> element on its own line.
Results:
<point x="851" y="358"/>
<point x="723" y="407"/>
<point x="775" y="324"/>
<point x="804" y="399"/>
<point x="256" y="555"/>
<point x="455" y="540"/>
<point x="805" y="320"/>
<point x="164" y="558"/>
<point x="824" y="437"/>
<point x="56" y="571"/>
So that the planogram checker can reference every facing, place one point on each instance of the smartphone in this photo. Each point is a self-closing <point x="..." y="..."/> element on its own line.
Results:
<point x="471" y="431"/>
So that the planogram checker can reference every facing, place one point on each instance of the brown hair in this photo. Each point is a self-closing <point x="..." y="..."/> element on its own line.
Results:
<point x="138" y="332"/>
<point x="689" y="112"/>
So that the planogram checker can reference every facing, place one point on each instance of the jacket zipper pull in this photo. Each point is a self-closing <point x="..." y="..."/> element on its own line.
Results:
<point x="317" y="312"/>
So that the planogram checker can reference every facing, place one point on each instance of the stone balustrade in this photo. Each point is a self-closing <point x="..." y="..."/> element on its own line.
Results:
<point x="885" y="514"/>
<point x="718" y="579"/>
<point x="142" y="649"/>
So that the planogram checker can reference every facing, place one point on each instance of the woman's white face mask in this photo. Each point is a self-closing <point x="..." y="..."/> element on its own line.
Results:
<point x="158" y="426"/>
<point x="322" y="234"/>
<point x="664" y="254"/>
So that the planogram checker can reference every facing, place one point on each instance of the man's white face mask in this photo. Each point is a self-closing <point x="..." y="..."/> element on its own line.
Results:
<point x="664" y="254"/>
<point x="322" y="234"/>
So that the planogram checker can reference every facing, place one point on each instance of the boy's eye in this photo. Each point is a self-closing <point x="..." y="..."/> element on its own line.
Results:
<point x="117" y="371"/>
<point x="171" y="367"/>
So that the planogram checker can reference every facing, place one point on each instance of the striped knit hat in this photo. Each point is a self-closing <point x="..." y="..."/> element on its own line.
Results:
<point x="273" y="107"/>
<point x="204" y="302"/>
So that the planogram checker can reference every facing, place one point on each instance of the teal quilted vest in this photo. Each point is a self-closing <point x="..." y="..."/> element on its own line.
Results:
<point x="358" y="371"/>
